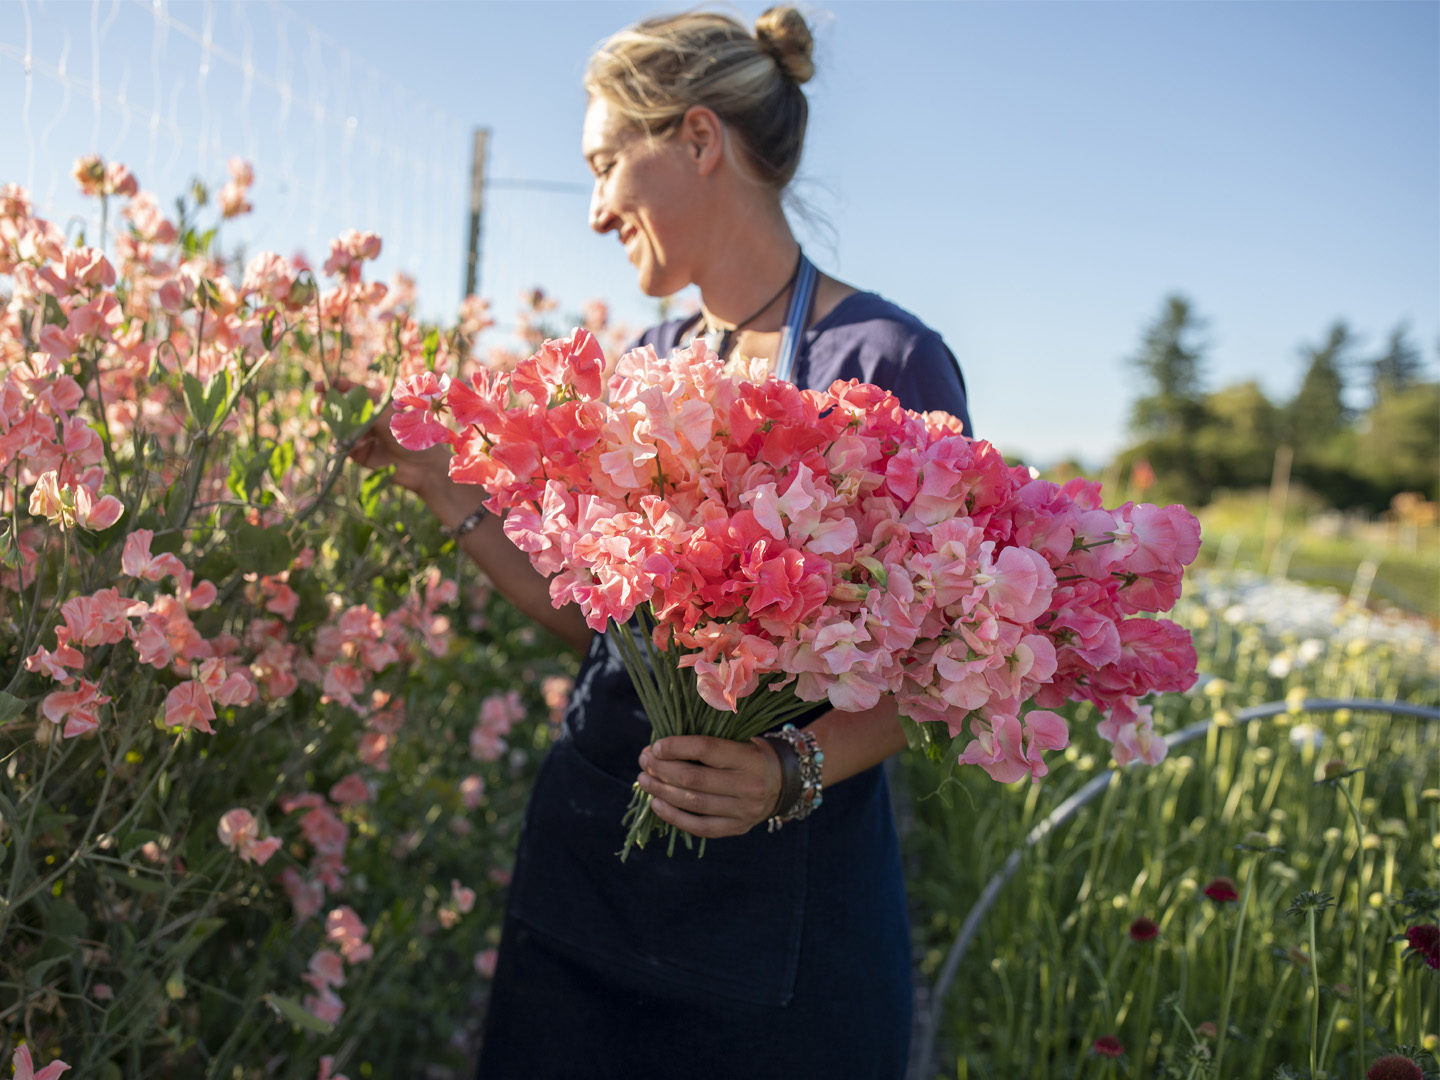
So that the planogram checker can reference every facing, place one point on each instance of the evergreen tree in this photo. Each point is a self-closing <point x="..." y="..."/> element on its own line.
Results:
<point x="1171" y="360"/>
<point x="1398" y="367"/>
<point x="1317" y="414"/>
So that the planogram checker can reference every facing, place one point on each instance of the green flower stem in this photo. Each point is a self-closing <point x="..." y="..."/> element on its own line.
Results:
<point x="20" y="842"/>
<point x="672" y="702"/>
<point x="1359" y="989"/>
<point x="82" y="850"/>
<point x="28" y="644"/>
<point x="1329" y="1032"/>
<point x="1234" y="970"/>
<point x="1315" y="986"/>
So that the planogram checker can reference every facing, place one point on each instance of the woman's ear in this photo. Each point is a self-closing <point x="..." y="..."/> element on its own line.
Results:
<point x="702" y="133"/>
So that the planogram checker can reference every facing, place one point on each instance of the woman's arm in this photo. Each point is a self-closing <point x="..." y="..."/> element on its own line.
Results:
<point x="717" y="787"/>
<point x="427" y="473"/>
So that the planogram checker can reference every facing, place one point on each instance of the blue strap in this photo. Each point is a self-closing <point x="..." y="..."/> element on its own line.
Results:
<point x="795" y="317"/>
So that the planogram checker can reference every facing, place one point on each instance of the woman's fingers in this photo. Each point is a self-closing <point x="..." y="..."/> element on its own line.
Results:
<point x="717" y="753"/>
<point x="711" y="787"/>
<point x="707" y="826"/>
<point x="693" y="802"/>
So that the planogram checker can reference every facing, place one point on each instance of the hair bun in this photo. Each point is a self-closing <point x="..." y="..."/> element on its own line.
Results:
<point x="784" y="33"/>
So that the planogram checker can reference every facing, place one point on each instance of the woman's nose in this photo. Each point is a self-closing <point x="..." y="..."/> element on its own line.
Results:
<point x="601" y="220"/>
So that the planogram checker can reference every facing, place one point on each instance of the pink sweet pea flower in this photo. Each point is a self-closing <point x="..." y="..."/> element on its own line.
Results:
<point x="46" y="501"/>
<point x="327" y="969"/>
<point x="485" y="963"/>
<point x="94" y="514"/>
<point x="344" y="929"/>
<point x="189" y="706"/>
<point x="326" y="1064"/>
<point x="79" y="708"/>
<point x="472" y="791"/>
<point x="351" y="791"/>
<point x="239" y="831"/>
<point x="325" y="1006"/>
<point x="24" y="1067"/>
<point x="419" y="404"/>
<point x="1166" y="538"/>
<point x="54" y="664"/>
<point x="137" y="562"/>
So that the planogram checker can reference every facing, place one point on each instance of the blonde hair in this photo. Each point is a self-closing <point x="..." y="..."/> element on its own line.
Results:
<point x="656" y="70"/>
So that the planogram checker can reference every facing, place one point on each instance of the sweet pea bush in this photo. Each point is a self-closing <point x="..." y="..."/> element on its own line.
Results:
<point x="262" y="752"/>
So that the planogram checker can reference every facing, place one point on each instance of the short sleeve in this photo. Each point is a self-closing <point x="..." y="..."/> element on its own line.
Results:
<point x="927" y="379"/>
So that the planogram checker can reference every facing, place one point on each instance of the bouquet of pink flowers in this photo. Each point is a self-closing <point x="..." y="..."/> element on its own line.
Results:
<point x="779" y="547"/>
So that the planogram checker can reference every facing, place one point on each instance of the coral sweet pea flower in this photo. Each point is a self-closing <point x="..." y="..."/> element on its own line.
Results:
<point x="25" y="1067"/>
<point x="188" y="705"/>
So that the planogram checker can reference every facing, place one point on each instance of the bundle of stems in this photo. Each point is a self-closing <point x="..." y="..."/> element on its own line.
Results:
<point x="674" y="706"/>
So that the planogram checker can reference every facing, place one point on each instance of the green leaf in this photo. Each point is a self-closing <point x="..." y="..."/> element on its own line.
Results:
<point x="282" y="459"/>
<point x="10" y="707"/>
<point x="64" y="920"/>
<point x="291" y="1010"/>
<point x="247" y="470"/>
<point x="194" y="396"/>
<point x="370" y="489"/>
<point x="359" y="533"/>
<point x="346" y="414"/>
<point x="174" y="506"/>
<point x="207" y="401"/>
<point x="51" y="823"/>
<point x="217" y="564"/>
<point x="9" y="548"/>
<point x="139" y="882"/>
<point x="54" y="313"/>
<point x="217" y="394"/>
<point x="35" y="975"/>
<point x="432" y="346"/>
<point x="265" y="551"/>
<point x="194" y="938"/>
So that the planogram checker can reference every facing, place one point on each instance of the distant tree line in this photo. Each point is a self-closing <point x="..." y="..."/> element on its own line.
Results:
<point x="1199" y="441"/>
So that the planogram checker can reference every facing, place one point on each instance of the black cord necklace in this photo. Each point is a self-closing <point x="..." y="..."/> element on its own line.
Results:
<point x="727" y="334"/>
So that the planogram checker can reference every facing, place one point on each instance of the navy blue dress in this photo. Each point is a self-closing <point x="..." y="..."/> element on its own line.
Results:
<point x="782" y="954"/>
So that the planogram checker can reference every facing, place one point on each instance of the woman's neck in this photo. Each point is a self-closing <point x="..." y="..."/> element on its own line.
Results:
<point x="747" y="271"/>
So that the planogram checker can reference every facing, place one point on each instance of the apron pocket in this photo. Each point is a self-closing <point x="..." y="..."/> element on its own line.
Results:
<point x="728" y="923"/>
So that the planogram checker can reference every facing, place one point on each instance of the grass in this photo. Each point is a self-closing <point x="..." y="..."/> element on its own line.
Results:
<point x="1319" y="546"/>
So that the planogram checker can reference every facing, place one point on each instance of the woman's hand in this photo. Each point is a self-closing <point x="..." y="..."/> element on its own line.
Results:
<point x="711" y="787"/>
<point x="415" y="470"/>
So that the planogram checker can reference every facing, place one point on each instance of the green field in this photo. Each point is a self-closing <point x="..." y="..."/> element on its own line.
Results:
<point x="1322" y="547"/>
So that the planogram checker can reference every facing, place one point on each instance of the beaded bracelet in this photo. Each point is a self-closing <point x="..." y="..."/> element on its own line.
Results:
<point x="801" y="761"/>
<point x="467" y="525"/>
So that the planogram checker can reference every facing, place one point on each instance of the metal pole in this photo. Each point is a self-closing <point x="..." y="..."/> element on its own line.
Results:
<point x="477" y="206"/>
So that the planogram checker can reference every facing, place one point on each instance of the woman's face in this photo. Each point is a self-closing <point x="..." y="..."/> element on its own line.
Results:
<point x="645" y="192"/>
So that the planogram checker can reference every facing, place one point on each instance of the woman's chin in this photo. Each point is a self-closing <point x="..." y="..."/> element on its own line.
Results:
<point x="657" y="281"/>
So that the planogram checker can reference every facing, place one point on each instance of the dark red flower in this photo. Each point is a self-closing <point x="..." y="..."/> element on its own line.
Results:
<point x="1143" y="929"/>
<point x="1222" y="891"/>
<point x="1107" y="1046"/>
<point x="1394" y="1067"/>
<point x="1425" y="940"/>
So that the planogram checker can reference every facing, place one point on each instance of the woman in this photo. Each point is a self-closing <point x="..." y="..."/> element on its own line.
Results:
<point x="781" y="953"/>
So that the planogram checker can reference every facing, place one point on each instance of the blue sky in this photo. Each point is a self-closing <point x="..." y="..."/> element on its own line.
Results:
<point x="1030" y="178"/>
